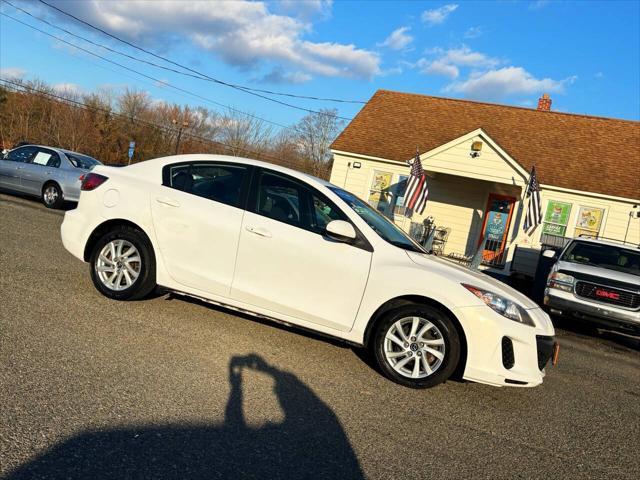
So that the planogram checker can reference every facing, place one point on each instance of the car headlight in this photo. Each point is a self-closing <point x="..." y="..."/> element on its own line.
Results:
<point x="561" y="281"/>
<point x="501" y="305"/>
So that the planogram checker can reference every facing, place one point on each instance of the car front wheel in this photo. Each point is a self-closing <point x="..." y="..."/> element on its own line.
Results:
<point x="417" y="346"/>
<point x="123" y="264"/>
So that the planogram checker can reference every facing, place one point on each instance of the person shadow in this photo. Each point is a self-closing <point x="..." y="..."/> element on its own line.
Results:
<point x="308" y="443"/>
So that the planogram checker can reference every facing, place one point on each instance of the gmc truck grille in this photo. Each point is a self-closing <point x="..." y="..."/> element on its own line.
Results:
<point x="613" y="296"/>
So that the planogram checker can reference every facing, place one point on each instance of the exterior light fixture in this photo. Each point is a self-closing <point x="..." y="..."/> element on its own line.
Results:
<point x="476" y="148"/>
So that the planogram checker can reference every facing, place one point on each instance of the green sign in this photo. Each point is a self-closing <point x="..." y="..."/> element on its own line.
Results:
<point x="553" y="229"/>
<point x="557" y="212"/>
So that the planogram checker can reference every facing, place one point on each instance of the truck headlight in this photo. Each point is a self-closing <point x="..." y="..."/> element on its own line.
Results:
<point x="561" y="281"/>
<point x="502" y="305"/>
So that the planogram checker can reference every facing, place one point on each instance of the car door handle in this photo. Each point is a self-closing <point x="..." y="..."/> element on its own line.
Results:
<point x="167" y="201"/>
<point x="258" y="231"/>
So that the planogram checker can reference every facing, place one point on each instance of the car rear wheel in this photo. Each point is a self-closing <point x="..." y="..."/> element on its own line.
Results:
<point x="123" y="264"/>
<point x="416" y="346"/>
<point x="52" y="196"/>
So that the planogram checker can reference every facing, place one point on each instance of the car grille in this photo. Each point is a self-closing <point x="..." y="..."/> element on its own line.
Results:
<point x="613" y="296"/>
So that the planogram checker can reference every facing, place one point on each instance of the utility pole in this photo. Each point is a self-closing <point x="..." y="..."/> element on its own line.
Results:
<point x="182" y="126"/>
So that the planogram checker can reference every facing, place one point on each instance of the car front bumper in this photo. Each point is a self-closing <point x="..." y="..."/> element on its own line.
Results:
<point x="502" y="352"/>
<point x="566" y="303"/>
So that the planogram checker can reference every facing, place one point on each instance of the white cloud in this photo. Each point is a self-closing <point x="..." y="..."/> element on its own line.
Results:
<point x="506" y="81"/>
<point x="67" y="88"/>
<point x="538" y="4"/>
<point x="448" y="62"/>
<point x="242" y="33"/>
<point x="306" y="8"/>
<point x="398" y="39"/>
<point x="438" y="15"/>
<point x="473" y="32"/>
<point x="465" y="57"/>
<point x="438" y="67"/>
<point x="599" y="75"/>
<point x="12" y="72"/>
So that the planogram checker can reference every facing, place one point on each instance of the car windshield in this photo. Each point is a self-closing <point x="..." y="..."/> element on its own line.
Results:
<point x="82" y="161"/>
<point x="380" y="224"/>
<point x="605" y="256"/>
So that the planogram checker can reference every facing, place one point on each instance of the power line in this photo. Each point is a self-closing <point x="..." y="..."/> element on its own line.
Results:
<point x="157" y="80"/>
<point x="250" y="91"/>
<point x="136" y="120"/>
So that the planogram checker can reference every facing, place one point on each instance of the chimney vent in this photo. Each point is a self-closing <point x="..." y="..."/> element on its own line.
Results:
<point x="544" y="103"/>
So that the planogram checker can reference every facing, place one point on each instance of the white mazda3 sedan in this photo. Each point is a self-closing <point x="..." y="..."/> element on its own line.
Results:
<point x="280" y="244"/>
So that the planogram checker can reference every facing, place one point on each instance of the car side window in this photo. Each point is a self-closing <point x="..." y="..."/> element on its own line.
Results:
<point x="46" y="158"/>
<point x="281" y="199"/>
<point x="324" y="211"/>
<point x="22" y="154"/>
<point x="218" y="182"/>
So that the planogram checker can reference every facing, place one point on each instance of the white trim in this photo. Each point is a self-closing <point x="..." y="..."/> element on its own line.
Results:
<point x="545" y="186"/>
<point x="368" y="157"/>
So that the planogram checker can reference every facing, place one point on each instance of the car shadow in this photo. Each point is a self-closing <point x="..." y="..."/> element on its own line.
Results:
<point x="618" y="338"/>
<point x="66" y="206"/>
<point x="308" y="443"/>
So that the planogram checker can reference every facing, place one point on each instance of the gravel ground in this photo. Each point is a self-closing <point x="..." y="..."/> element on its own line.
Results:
<point x="169" y="388"/>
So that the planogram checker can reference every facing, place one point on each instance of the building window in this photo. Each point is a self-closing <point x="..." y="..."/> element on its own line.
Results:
<point x="556" y="218"/>
<point x="380" y="192"/>
<point x="589" y="221"/>
<point x="400" y="189"/>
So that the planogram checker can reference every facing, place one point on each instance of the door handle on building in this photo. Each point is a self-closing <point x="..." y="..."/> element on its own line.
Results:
<point x="258" y="231"/>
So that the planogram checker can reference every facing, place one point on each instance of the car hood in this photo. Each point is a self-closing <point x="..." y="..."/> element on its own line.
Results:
<point x="460" y="274"/>
<point x="594" y="271"/>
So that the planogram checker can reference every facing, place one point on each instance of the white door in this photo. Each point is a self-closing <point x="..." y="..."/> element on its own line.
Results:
<point x="197" y="220"/>
<point x="285" y="263"/>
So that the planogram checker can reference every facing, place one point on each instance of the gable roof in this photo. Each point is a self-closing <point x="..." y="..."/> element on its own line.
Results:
<point x="580" y="152"/>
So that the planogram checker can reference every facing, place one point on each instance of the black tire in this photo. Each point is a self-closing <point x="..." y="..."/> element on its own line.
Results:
<point x="52" y="196"/>
<point x="444" y="330"/>
<point x="145" y="283"/>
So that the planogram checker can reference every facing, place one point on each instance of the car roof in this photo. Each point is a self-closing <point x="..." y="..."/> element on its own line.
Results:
<point x="158" y="163"/>
<point x="55" y="149"/>
<point x="606" y="241"/>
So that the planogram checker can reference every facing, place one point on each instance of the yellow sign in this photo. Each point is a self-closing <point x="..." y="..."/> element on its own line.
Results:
<point x="589" y="221"/>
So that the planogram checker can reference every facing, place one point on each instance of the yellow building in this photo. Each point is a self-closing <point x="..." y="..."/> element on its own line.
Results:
<point x="478" y="158"/>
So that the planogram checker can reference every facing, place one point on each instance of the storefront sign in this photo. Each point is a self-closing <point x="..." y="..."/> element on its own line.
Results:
<point x="556" y="218"/>
<point x="496" y="225"/>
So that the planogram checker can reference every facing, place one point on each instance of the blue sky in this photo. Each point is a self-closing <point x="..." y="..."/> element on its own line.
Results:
<point x="585" y="54"/>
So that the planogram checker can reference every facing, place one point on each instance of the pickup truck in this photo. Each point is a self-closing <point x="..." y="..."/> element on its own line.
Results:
<point x="597" y="281"/>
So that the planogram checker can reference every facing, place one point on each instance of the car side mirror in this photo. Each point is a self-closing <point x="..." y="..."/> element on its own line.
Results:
<point x="549" y="253"/>
<point x="341" y="231"/>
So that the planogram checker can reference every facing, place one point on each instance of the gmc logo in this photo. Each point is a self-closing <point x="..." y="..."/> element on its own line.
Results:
<point x="606" y="294"/>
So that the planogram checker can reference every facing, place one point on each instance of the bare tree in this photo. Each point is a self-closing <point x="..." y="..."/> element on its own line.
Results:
<point x="315" y="132"/>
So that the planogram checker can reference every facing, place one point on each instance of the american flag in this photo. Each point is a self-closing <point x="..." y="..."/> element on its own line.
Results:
<point x="415" y="197"/>
<point x="534" y="211"/>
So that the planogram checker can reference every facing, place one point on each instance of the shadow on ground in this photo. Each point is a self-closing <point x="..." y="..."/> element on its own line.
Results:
<point x="617" y="338"/>
<point x="308" y="443"/>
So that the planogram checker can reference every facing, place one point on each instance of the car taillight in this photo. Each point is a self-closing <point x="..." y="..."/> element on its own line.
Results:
<point x="91" y="181"/>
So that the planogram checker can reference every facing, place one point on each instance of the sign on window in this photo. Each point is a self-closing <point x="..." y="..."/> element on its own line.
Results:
<point x="380" y="194"/>
<point x="589" y="221"/>
<point x="556" y="218"/>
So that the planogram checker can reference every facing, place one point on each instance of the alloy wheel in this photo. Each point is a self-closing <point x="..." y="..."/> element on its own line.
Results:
<point x="118" y="265"/>
<point x="414" y="347"/>
<point x="51" y="195"/>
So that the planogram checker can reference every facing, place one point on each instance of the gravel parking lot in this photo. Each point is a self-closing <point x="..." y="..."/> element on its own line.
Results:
<point x="169" y="388"/>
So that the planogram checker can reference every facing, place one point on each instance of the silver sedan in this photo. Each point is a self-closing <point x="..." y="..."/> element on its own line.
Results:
<point x="52" y="174"/>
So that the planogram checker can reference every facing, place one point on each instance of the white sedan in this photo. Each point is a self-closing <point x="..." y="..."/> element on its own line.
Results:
<point x="280" y="244"/>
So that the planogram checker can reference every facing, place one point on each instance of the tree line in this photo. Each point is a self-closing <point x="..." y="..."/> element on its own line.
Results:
<point x="102" y="123"/>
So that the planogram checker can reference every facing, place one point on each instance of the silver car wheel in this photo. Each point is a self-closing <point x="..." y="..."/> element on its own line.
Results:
<point x="50" y="195"/>
<point x="414" y="347"/>
<point x="119" y="264"/>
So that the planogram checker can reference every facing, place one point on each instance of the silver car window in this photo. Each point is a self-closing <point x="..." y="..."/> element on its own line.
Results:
<point x="21" y="154"/>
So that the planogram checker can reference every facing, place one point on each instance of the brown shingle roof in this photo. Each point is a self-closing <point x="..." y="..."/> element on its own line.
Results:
<point x="580" y="152"/>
